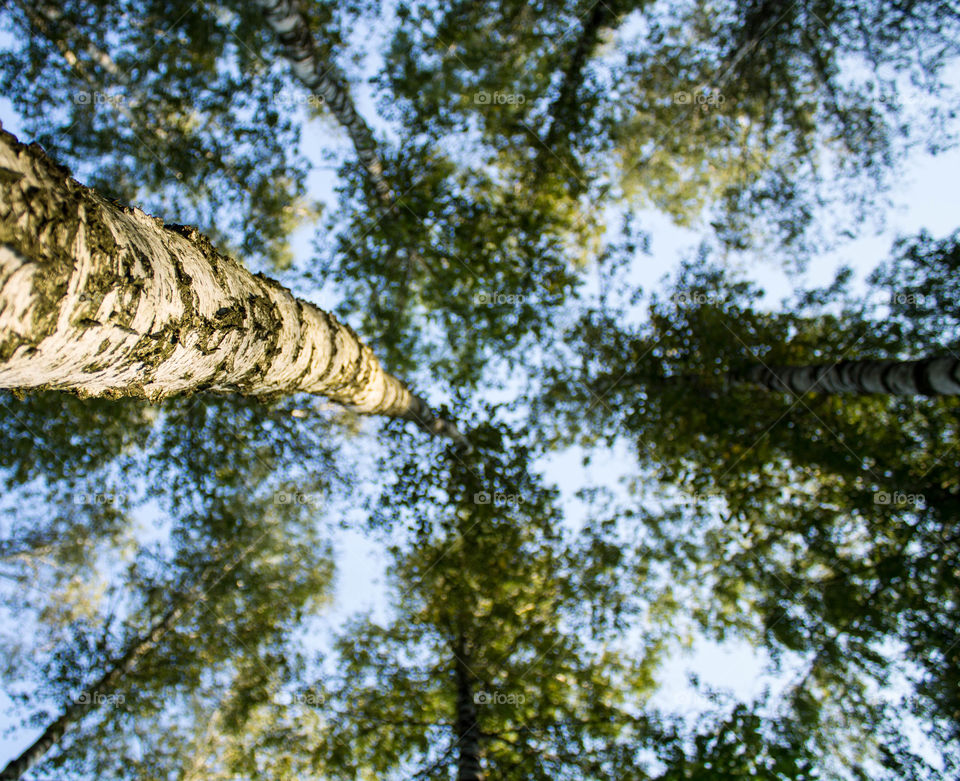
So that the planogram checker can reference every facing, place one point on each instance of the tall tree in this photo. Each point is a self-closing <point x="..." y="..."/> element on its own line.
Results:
<point x="188" y="307"/>
<point x="731" y="106"/>
<point x="245" y="552"/>
<point x="823" y="525"/>
<point x="502" y="268"/>
<point x="706" y="111"/>
<point x="924" y="377"/>
<point x="169" y="105"/>
<point x="500" y="656"/>
<point x="568" y="114"/>
<point x="100" y="690"/>
<point x="288" y="22"/>
<point x="490" y="666"/>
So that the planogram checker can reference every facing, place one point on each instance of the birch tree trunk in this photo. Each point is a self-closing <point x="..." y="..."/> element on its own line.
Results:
<point x="925" y="377"/>
<point x="290" y="26"/>
<point x="103" y="300"/>
<point x="96" y="693"/>
<point x="468" y="736"/>
<point x="563" y="107"/>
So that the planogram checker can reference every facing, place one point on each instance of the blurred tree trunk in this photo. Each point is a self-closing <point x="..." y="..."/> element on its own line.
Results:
<point x="468" y="737"/>
<point x="563" y="110"/>
<point x="97" y="693"/>
<point x="925" y="377"/>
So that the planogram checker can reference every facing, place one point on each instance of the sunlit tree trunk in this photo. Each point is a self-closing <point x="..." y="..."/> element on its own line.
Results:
<point x="290" y="26"/>
<point x="104" y="300"/>
<point x="468" y="734"/>
<point x="97" y="693"/>
<point x="925" y="377"/>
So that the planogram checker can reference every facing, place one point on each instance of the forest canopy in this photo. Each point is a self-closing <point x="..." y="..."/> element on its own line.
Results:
<point x="479" y="390"/>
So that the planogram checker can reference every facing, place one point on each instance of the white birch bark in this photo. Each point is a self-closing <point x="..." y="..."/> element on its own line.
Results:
<point x="925" y="377"/>
<point x="103" y="300"/>
<point x="290" y="26"/>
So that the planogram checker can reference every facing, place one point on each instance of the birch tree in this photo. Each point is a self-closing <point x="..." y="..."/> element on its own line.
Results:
<point x="758" y="91"/>
<point x="289" y="24"/>
<point x="214" y="600"/>
<point x="100" y="690"/>
<point x="569" y="113"/>
<point x="822" y="524"/>
<point x="687" y="109"/>
<point x="110" y="302"/>
<point x="487" y="668"/>
<point x="925" y="377"/>
<point x="167" y="105"/>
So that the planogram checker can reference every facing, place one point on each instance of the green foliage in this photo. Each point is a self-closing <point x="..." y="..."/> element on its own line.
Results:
<point x="817" y="525"/>
<point x="493" y="583"/>
<point x="462" y="273"/>
<point x="166" y="105"/>
<point x="522" y="136"/>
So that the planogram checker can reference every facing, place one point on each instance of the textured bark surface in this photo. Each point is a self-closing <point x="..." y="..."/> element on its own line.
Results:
<point x="925" y="377"/>
<point x="468" y="734"/>
<point x="103" y="300"/>
<point x="142" y="645"/>
<point x="290" y="26"/>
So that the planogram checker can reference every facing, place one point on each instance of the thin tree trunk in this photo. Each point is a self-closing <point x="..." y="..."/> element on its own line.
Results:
<point x="95" y="693"/>
<point x="563" y="107"/>
<point x="52" y="14"/>
<point x="468" y="734"/>
<point x="925" y="377"/>
<point x="290" y="26"/>
<point x="104" y="300"/>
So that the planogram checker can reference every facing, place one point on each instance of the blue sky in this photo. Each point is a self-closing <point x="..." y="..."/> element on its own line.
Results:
<point x="925" y="197"/>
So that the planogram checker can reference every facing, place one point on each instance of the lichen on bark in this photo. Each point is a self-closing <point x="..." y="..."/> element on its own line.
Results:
<point x="103" y="300"/>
